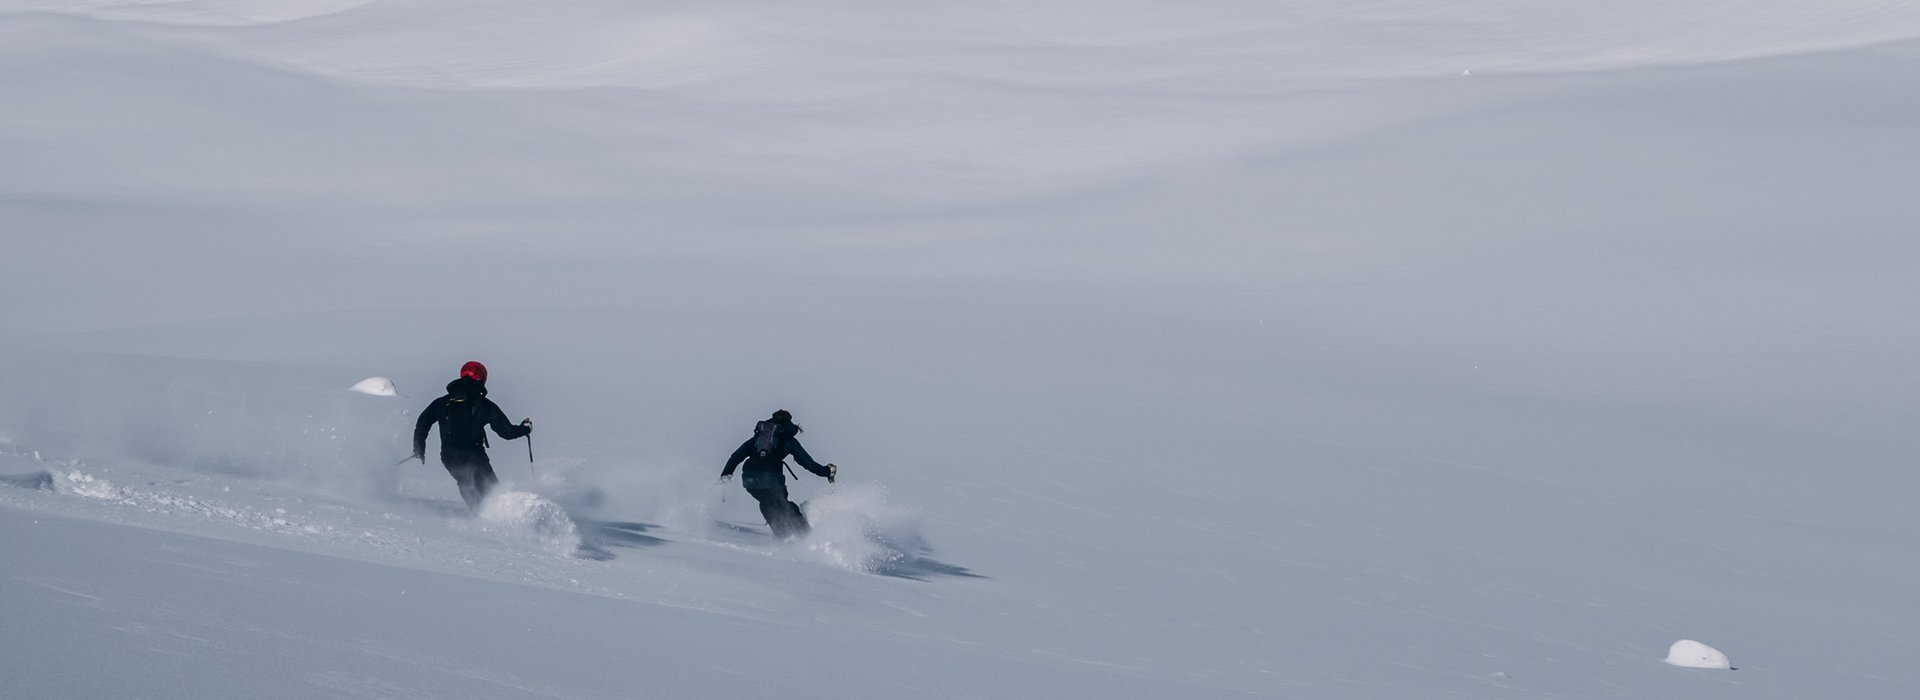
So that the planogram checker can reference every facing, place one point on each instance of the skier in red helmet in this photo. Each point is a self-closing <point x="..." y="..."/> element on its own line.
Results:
<point x="463" y="415"/>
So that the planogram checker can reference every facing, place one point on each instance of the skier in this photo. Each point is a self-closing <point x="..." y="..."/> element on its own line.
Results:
<point x="765" y="456"/>
<point x="463" y="415"/>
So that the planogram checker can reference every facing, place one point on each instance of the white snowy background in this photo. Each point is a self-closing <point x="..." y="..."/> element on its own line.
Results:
<point x="1304" y="349"/>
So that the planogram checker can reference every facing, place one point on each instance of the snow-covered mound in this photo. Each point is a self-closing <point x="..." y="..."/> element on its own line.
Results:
<point x="375" y="386"/>
<point x="1687" y="653"/>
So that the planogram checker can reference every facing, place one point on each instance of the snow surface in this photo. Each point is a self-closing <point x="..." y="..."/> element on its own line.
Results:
<point x="1321" y="349"/>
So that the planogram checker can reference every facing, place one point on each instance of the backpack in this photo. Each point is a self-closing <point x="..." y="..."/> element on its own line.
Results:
<point x="766" y="438"/>
<point x="462" y="423"/>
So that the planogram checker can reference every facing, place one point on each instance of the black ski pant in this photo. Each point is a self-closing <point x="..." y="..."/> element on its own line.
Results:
<point x="781" y="514"/>
<point x="472" y="471"/>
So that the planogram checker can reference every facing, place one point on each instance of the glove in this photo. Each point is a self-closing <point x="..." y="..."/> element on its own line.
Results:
<point x="528" y="424"/>
<point x="420" y="456"/>
<point x="724" y="478"/>
<point x="833" y="470"/>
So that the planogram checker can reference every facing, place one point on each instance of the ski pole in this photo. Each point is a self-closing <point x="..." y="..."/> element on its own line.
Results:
<point x="535" y="472"/>
<point x="528" y="424"/>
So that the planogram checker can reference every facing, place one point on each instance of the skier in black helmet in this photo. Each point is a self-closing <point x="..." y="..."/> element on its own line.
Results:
<point x="463" y="415"/>
<point x="765" y="456"/>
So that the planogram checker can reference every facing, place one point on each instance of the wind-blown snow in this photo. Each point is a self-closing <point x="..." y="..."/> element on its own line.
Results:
<point x="856" y="528"/>
<point x="536" y="516"/>
<point x="1317" y="349"/>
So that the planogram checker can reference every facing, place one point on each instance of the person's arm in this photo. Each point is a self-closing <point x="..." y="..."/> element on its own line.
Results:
<point x="739" y="455"/>
<point x="800" y="455"/>
<point x="505" y="428"/>
<point x="428" y="417"/>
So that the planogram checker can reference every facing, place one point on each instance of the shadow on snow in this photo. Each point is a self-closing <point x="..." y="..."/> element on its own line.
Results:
<point x="617" y="534"/>
<point x="39" y="481"/>
<point x="922" y="568"/>
<point x="912" y="561"/>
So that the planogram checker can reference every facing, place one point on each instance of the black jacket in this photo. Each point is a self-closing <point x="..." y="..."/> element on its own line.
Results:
<point x="470" y="396"/>
<point x="771" y="467"/>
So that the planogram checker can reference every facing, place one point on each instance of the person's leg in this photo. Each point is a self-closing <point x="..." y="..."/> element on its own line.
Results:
<point x="768" y="509"/>
<point x="772" y="508"/>
<point x="797" y="523"/>
<point x="483" y="478"/>
<point x="792" y="522"/>
<point x="461" y="464"/>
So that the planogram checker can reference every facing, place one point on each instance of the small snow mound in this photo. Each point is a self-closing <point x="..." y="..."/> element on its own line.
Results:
<point x="525" y="512"/>
<point x="375" y="386"/>
<point x="1687" y="653"/>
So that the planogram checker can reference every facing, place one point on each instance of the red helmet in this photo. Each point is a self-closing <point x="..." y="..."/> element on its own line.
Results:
<point x="474" y="371"/>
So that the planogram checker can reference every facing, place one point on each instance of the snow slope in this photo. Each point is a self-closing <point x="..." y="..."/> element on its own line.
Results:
<point x="1168" y="351"/>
